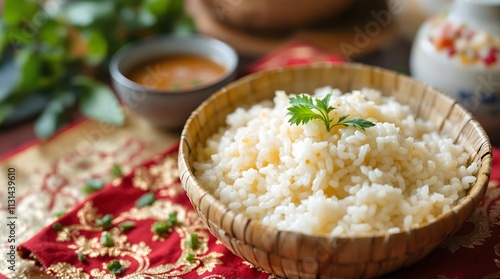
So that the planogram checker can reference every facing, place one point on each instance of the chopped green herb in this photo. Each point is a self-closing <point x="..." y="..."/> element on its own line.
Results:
<point x="93" y="185"/>
<point x="176" y="86"/>
<point x="107" y="240"/>
<point x="172" y="219"/>
<point x="160" y="228"/>
<point x="193" y="241"/>
<point x="145" y="200"/>
<point x="115" y="267"/>
<point x="190" y="257"/>
<point x="303" y="109"/>
<point x="57" y="227"/>
<point x="196" y="82"/>
<point x="126" y="226"/>
<point x="81" y="256"/>
<point x="105" y="222"/>
<point x="117" y="171"/>
<point x="60" y="214"/>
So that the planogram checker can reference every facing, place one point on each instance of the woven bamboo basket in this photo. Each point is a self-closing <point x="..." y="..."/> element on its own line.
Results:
<point x="296" y="255"/>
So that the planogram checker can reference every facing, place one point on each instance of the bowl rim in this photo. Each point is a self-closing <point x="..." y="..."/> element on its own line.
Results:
<point x="189" y="179"/>
<point x="122" y="52"/>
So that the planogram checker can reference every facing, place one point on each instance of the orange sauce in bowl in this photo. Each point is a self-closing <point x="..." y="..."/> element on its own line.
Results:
<point x="176" y="72"/>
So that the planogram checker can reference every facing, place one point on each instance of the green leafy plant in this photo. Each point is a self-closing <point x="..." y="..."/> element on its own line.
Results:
<point x="303" y="108"/>
<point x="61" y="50"/>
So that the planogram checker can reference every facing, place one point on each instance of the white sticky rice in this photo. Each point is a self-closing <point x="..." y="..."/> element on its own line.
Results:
<point x="346" y="182"/>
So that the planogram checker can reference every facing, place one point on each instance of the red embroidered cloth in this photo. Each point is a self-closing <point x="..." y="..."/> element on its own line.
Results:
<point x="474" y="252"/>
<point x="143" y="253"/>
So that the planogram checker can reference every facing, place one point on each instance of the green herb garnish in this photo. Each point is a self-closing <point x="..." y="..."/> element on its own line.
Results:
<point x="160" y="228"/>
<point x="172" y="219"/>
<point x="57" y="227"/>
<point x="193" y="241"/>
<point x="105" y="222"/>
<point x="60" y="214"/>
<point x="107" y="240"/>
<point x="81" y="256"/>
<point x="126" y="226"/>
<point x="196" y="82"/>
<point x="176" y="86"/>
<point x="93" y="185"/>
<point x="190" y="257"/>
<point x="303" y="109"/>
<point x="145" y="200"/>
<point x="117" y="171"/>
<point x="115" y="267"/>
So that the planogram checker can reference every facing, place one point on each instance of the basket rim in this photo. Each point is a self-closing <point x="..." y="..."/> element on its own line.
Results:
<point x="478" y="188"/>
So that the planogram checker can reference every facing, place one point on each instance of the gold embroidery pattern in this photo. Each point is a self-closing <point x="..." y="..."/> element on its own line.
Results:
<point x="484" y="219"/>
<point x="67" y="271"/>
<point x="157" y="176"/>
<point x="477" y="237"/>
<point x="188" y="223"/>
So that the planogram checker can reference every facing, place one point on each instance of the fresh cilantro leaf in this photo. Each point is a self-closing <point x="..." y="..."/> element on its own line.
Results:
<point x="303" y="109"/>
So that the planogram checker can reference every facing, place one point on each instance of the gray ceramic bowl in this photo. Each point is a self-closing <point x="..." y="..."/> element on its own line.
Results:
<point x="168" y="109"/>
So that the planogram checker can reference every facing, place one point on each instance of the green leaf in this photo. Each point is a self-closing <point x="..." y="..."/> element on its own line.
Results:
<point x="81" y="257"/>
<point x="126" y="226"/>
<point x="357" y="123"/>
<point x="5" y="110"/>
<point x="97" y="101"/>
<point x="323" y="104"/>
<point x="117" y="171"/>
<point x="302" y="99"/>
<point x="172" y="219"/>
<point x="145" y="18"/>
<point x="190" y="257"/>
<point x="60" y="214"/>
<point x="157" y="7"/>
<point x="145" y="200"/>
<point x="107" y="240"/>
<point x="303" y="109"/>
<point x="53" y="68"/>
<point x="184" y="26"/>
<point x="3" y="38"/>
<point x="160" y="228"/>
<point x="85" y="13"/>
<point x="54" y="33"/>
<point x="193" y="241"/>
<point x="28" y="63"/>
<point x="301" y="114"/>
<point x="105" y="222"/>
<point x="54" y="115"/>
<point x="93" y="185"/>
<point x="97" y="47"/>
<point x="115" y="267"/>
<point x="57" y="227"/>
<point x="16" y="12"/>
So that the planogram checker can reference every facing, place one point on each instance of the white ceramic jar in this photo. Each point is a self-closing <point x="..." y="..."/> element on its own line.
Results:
<point x="460" y="53"/>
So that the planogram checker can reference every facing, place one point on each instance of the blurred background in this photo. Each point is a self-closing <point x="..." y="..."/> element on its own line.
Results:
<point x="47" y="45"/>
